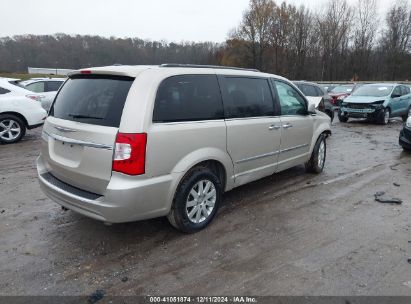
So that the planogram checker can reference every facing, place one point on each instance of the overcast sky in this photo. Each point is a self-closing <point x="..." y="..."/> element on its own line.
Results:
<point x="171" y="20"/>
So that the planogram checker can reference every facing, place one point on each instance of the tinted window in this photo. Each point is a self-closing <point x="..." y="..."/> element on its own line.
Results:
<point x="405" y="90"/>
<point x="52" y="86"/>
<point x="97" y="100"/>
<point x="397" y="91"/>
<point x="291" y="102"/>
<point x="4" y="91"/>
<point x="37" y="87"/>
<point x="320" y="92"/>
<point x="310" y="90"/>
<point x="188" y="98"/>
<point x="247" y="97"/>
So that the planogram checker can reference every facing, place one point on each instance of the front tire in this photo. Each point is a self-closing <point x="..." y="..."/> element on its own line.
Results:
<point x="405" y="117"/>
<point x="341" y="117"/>
<point x="196" y="200"/>
<point x="12" y="129"/>
<point x="317" y="160"/>
<point x="384" y="118"/>
<point x="330" y="113"/>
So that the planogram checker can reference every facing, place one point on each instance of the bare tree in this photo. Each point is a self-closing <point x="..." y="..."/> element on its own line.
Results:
<point x="255" y="28"/>
<point x="302" y="40"/>
<point x="281" y="33"/>
<point x="333" y="28"/>
<point x="366" y="24"/>
<point x="396" y="37"/>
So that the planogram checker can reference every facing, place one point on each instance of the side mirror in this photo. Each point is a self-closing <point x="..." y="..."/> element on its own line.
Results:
<point x="311" y="108"/>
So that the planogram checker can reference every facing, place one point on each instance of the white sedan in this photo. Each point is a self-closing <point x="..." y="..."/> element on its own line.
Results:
<point x="19" y="111"/>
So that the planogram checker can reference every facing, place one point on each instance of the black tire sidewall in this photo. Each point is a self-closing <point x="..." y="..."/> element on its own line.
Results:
<point x="313" y="165"/>
<point x="21" y="125"/>
<point x="405" y="117"/>
<point x="341" y="117"/>
<point x="179" y="205"/>
<point x="382" y="116"/>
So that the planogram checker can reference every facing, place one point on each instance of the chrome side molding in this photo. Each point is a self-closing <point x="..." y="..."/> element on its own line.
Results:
<point x="71" y="141"/>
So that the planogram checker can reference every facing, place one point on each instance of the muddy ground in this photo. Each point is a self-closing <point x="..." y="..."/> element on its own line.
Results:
<point x="289" y="234"/>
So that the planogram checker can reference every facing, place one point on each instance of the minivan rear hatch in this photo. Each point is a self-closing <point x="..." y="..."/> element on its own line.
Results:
<point x="80" y="133"/>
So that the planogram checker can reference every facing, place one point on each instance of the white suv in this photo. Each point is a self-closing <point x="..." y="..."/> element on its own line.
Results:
<point x="19" y="110"/>
<point x="128" y="143"/>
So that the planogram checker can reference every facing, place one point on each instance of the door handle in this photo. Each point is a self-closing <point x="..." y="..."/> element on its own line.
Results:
<point x="274" y="127"/>
<point x="287" y="126"/>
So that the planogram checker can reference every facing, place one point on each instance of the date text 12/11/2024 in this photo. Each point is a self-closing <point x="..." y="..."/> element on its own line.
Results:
<point x="239" y="299"/>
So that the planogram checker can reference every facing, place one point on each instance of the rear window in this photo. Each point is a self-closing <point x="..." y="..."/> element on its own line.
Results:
<point x="92" y="99"/>
<point x="52" y="86"/>
<point x="188" y="98"/>
<point x="308" y="90"/>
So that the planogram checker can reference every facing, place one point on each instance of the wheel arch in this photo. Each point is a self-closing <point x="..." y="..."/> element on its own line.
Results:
<point x="323" y="130"/>
<point x="19" y="115"/>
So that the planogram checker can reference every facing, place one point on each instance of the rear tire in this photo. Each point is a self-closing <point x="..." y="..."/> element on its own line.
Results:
<point x="196" y="200"/>
<point x="318" y="157"/>
<point x="12" y="129"/>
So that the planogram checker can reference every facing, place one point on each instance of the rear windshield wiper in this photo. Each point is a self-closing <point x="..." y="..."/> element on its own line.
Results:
<point x="79" y="116"/>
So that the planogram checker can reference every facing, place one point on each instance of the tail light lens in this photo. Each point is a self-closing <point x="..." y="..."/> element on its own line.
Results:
<point x="34" y="97"/>
<point x="130" y="153"/>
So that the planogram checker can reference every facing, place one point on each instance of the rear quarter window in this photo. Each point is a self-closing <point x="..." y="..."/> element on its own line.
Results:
<point x="52" y="86"/>
<point x="3" y="91"/>
<point x="247" y="97"/>
<point x="188" y="98"/>
<point x="92" y="99"/>
<point x="36" y="87"/>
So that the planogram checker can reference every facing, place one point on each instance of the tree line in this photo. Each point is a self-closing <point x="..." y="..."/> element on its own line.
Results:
<point x="342" y="42"/>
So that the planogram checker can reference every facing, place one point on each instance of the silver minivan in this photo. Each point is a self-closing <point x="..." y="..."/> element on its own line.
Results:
<point x="128" y="143"/>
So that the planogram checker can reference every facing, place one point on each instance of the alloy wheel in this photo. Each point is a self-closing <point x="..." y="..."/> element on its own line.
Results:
<point x="387" y="117"/>
<point x="321" y="155"/>
<point x="9" y="129"/>
<point x="201" y="201"/>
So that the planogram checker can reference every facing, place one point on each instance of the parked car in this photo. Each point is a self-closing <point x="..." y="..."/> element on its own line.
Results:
<point x="310" y="89"/>
<point x="328" y="87"/>
<point x="378" y="102"/>
<point x="339" y="93"/>
<point x="126" y="143"/>
<point x="17" y="114"/>
<point x="9" y="87"/>
<point x="48" y="88"/>
<point x="405" y="135"/>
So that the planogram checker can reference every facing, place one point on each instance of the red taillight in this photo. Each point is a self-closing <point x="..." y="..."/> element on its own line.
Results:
<point x="34" y="97"/>
<point x="130" y="153"/>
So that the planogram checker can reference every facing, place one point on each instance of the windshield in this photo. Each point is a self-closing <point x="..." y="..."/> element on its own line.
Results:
<point x="343" y="89"/>
<point x="373" y="90"/>
<point x="92" y="99"/>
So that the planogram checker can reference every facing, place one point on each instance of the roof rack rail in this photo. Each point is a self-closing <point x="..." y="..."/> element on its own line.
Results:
<point x="198" y="66"/>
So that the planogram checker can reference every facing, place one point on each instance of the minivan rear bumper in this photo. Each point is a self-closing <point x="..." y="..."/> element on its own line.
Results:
<point x="125" y="199"/>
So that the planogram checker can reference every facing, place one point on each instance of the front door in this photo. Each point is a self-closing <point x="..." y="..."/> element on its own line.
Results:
<point x="253" y="127"/>
<point x="296" y="127"/>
